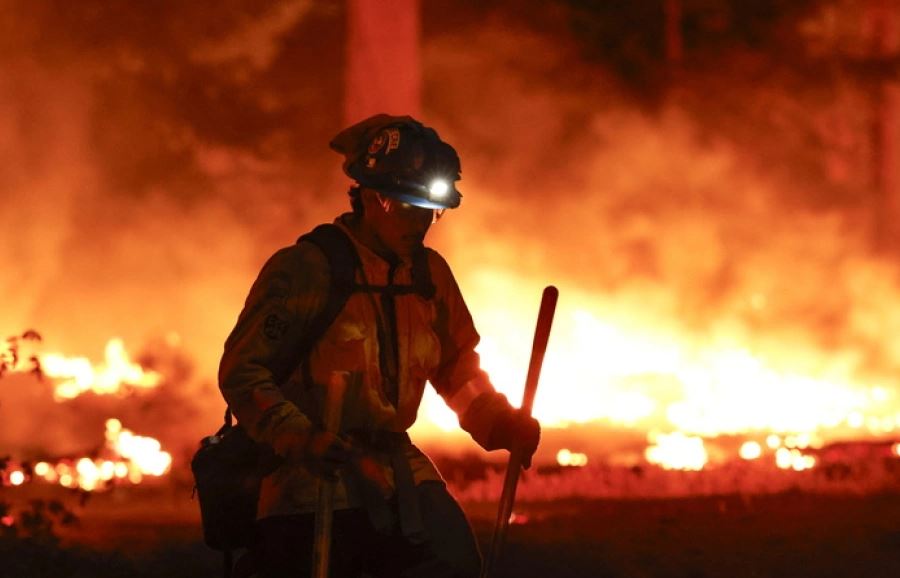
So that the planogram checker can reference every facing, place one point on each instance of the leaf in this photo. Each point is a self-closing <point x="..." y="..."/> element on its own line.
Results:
<point x="32" y="335"/>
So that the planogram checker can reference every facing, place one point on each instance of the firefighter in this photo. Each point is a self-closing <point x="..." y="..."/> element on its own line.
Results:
<point x="403" y="322"/>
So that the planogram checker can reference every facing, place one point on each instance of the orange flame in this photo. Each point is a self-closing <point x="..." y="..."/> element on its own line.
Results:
<point x="637" y="372"/>
<point x="128" y="457"/>
<point x="144" y="453"/>
<point x="677" y="451"/>
<point x="78" y="375"/>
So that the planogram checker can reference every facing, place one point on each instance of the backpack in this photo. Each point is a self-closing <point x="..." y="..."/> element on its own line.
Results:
<point x="229" y="465"/>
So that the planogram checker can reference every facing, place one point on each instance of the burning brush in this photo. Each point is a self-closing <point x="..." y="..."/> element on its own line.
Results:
<point x="123" y="457"/>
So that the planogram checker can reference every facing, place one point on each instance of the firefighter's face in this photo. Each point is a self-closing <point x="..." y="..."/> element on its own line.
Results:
<point x="400" y="226"/>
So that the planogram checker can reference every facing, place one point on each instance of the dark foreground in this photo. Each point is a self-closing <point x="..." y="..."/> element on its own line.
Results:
<point x="784" y="535"/>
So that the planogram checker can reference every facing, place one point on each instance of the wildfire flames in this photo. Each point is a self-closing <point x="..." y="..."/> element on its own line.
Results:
<point x="77" y="375"/>
<point x="128" y="457"/>
<point x="595" y="371"/>
<point x="679" y="390"/>
<point x="125" y="456"/>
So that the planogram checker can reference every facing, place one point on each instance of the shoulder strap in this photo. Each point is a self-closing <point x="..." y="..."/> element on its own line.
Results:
<point x="343" y="262"/>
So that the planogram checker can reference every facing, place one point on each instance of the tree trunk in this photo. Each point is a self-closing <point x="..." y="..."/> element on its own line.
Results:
<point x="382" y="68"/>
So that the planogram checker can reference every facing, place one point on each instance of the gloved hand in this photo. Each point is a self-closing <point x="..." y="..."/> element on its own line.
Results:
<point x="326" y="453"/>
<point x="516" y="428"/>
<point x="322" y="452"/>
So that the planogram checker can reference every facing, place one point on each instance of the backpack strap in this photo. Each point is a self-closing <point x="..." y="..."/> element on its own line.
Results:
<point x="343" y="261"/>
<point x="421" y="275"/>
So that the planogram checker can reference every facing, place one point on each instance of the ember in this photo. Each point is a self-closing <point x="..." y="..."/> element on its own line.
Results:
<point x="565" y="457"/>
<point x="125" y="457"/>
<point x="750" y="450"/>
<point x="676" y="451"/>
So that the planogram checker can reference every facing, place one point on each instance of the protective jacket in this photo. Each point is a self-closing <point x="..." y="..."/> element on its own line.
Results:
<point x="389" y="356"/>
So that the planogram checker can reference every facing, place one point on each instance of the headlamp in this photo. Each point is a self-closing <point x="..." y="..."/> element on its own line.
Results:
<point x="438" y="189"/>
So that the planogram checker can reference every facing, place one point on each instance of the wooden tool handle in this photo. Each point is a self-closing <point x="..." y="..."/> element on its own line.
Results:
<point x="331" y="420"/>
<point x="514" y="467"/>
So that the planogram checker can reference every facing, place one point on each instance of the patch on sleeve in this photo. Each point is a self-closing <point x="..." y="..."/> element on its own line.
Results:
<point x="274" y="327"/>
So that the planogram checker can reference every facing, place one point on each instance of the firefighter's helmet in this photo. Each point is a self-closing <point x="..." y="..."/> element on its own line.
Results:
<point x="402" y="159"/>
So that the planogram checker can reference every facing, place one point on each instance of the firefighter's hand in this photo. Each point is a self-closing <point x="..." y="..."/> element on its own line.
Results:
<point x="326" y="453"/>
<point x="319" y="451"/>
<point x="291" y="437"/>
<point x="517" y="429"/>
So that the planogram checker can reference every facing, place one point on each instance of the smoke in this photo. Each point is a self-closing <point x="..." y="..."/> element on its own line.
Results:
<point x="724" y="216"/>
<point x="152" y="159"/>
<point x="146" y="176"/>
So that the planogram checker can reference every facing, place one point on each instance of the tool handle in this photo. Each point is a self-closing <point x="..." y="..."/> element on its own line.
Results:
<point x="331" y="418"/>
<point x="514" y="467"/>
<point x="539" y="347"/>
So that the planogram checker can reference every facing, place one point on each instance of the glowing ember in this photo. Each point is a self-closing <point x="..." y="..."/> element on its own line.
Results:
<point x="565" y="457"/>
<point x="676" y="451"/>
<point x="126" y="456"/>
<point x="793" y="459"/>
<point x="77" y="375"/>
<point x="802" y="441"/>
<point x="750" y="450"/>
<point x="7" y="521"/>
